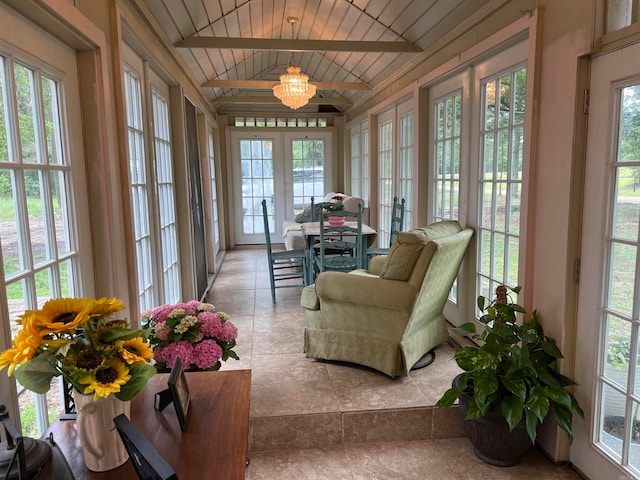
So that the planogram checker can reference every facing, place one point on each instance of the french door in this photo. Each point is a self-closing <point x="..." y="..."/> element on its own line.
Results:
<point x="286" y="169"/>
<point x="607" y="361"/>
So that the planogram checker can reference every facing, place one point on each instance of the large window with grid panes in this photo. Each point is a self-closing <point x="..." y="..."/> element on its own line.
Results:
<point x="45" y="237"/>
<point x="477" y="168"/>
<point x="396" y="164"/>
<point x="152" y="183"/>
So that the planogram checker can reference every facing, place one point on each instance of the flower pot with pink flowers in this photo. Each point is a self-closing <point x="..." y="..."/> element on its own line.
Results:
<point x="193" y="331"/>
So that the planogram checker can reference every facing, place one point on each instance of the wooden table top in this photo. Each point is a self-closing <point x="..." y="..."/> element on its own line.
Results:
<point x="214" y="444"/>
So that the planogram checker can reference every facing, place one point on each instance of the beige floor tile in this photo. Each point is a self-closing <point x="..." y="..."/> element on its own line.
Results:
<point x="312" y="464"/>
<point x="399" y="461"/>
<point x="360" y="388"/>
<point x="300" y="402"/>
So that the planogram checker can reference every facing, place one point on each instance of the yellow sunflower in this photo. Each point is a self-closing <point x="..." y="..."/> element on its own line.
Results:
<point x="105" y="306"/>
<point x="135" y="350"/>
<point x="63" y="314"/>
<point x="25" y="345"/>
<point x="108" y="380"/>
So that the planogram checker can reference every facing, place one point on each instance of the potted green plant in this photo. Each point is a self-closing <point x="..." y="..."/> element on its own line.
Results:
<point x="510" y="381"/>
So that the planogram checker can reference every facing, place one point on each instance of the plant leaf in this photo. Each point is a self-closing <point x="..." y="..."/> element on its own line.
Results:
<point x="538" y="403"/>
<point x="516" y="386"/>
<point x="140" y="375"/>
<point x="449" y="398"/>
<point x="112" y="334"/>
<point x="36" y="374"/>
<point x="550" y="347"/>
<point x="559" y="396"/>
<point x="465" y="328"/>
<point x="512" y="410"/>
<point x="563" y="417"/>
<point x="532" y="425"/>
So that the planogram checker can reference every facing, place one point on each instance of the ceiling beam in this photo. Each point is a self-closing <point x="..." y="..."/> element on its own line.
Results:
<point x="265" y="99"/>
<point x="296" y="45"/>
<point x="268" y="84"/>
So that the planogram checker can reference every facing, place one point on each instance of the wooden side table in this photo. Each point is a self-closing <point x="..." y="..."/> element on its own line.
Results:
<point x="214" y="444"/>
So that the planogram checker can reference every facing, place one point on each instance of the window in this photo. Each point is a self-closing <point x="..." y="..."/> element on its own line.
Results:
<point x="214" y="197"/>
<point x="446" y="154"/>
<point x="151" y="171"/>
<point x="139" y="189"/>
<point x="360" y="162"/>
<point x="395" y="172"/>
<point x="166" y="200"/>
<point x="39" y="227"/>
<point x="477" y="169"/>
<point x="500" y="179"/>
<point x="621" y="13"/>
<point x="308" y="171"/>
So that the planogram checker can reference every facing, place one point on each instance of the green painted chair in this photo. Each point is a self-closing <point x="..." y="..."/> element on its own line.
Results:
<point x="396" y="226"/>
<point x="285" y="265"/>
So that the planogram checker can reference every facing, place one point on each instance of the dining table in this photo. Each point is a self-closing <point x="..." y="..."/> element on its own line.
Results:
<point x="311" y="232"/>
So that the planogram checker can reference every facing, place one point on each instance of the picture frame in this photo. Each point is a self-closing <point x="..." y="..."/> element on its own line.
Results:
<point x="147" y="462"/>
<point x="180" y="394"/>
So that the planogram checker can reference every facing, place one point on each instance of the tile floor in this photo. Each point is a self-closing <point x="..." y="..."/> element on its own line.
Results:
<point x="314" y="420"/>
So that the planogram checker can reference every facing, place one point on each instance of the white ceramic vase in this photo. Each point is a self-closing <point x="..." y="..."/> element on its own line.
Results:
<point x="101" y="444"/>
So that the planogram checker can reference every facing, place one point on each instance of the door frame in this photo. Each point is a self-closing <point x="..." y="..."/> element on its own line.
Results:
<point x="607" y="72"/>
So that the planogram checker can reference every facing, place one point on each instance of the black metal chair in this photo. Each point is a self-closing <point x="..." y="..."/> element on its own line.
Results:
<point x="284" y="265"/>
<point x="339" y="248"/>
<point x="397" y="225"/>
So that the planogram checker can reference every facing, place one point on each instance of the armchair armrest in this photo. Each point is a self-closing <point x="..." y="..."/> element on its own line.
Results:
<point x="366" y="291"/>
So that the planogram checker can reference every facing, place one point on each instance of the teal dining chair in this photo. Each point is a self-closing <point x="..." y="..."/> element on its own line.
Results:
<point x="397" y="225"/>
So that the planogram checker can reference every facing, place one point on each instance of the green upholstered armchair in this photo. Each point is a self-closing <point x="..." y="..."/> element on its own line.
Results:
<point x="387" y="318"/>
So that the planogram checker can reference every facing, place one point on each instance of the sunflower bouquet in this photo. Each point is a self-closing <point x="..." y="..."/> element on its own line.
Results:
<point x="78" y="339"/>
<point x="193" y="331"/>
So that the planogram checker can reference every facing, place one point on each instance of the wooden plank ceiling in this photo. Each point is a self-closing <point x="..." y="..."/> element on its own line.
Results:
<point x="237" y="49"/>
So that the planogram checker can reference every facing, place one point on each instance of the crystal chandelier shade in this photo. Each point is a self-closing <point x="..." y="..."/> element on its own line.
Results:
<point x="294" y="89"/>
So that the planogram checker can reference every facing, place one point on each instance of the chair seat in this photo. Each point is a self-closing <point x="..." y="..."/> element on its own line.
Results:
<point x="340" y="263"/>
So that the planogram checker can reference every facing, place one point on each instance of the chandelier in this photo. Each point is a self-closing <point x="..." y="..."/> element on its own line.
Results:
<point x="294" y="89"/>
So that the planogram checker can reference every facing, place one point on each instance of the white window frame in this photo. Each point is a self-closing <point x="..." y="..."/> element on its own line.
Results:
<point x="153" y="202"/>
<point x="39" y="54"/>
<point x="396" y="164"/>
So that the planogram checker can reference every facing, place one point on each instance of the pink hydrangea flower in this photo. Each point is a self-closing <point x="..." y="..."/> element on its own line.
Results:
<point x="207" y="353"/>
<point x="168" y="354"/>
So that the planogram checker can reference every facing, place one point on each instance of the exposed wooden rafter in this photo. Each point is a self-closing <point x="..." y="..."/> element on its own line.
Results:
<point x="289" y="45"/>
<point x="268" y="84"/>
<point x="268" y="100"/>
